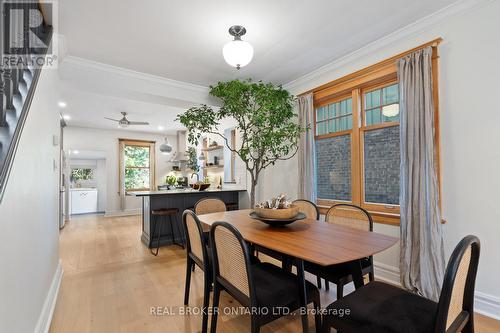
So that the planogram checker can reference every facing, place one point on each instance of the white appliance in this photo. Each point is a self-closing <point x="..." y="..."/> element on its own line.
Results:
<point x="83" y="200"/>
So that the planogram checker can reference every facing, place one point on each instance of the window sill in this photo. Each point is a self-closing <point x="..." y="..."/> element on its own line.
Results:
<point x="378" y="217"/>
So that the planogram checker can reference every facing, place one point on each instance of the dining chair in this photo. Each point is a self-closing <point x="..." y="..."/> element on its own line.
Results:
<point x="380" y="307"/>
<point x="197" y="254"/>
<point x="209" y="205"/>
<point x="264" y="288"/>
<point x="354" y="217"/>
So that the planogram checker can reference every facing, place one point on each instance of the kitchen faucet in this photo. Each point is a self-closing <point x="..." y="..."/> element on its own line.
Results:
<point x="197" y="176"/>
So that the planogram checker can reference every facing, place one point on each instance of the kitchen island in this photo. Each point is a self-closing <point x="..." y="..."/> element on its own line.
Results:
<point x="181" y="199"/>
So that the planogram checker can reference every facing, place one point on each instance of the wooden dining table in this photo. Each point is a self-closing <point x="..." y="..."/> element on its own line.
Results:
<point x="309" y="240"/>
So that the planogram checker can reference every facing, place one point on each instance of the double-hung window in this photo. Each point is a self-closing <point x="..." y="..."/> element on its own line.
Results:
<point x="137" y="165"/>
<point x="357" y="141"/>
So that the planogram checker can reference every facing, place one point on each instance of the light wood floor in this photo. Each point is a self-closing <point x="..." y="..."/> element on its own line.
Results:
<point x="111" y="282"/>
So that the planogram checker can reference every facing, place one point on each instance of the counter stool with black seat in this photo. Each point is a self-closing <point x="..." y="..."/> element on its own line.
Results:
<point x="159" y="217"/>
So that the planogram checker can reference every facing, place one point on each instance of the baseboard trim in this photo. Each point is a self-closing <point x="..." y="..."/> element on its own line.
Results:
<point x="487" y="305"/>
<point x="45" y="319"/>
<point x="126" y="212"/>
<point x="387" y="273"/>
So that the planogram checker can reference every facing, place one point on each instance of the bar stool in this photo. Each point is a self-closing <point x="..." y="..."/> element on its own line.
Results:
<point x="159" y="215"/>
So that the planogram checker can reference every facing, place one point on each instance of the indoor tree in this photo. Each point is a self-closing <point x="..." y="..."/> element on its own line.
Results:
<point x="264" y="119"/>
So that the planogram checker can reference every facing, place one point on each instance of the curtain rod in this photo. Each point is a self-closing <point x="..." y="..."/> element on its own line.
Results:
<point x="434" y="43"/>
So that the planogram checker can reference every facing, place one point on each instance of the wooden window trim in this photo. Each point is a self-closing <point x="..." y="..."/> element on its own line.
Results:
<point x="152" y="162"/>
<point x="357" y="84"/>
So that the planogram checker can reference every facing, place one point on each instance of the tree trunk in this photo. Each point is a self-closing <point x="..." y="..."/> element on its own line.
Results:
<point x="253" y="185"/>
<point x="252" y="196"/>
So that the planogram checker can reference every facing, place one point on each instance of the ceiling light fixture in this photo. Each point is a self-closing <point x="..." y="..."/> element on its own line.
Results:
<point x="161" y="128"/>
<point x="390" y="110"/>
<point x="237" y="52"/>
<point x="66" y="117"/>
<point x="62" y="104"/>
<point x="166" y="148"/>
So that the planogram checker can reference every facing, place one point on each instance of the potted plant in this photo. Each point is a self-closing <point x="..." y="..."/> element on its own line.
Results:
<point x="265" y="121"/>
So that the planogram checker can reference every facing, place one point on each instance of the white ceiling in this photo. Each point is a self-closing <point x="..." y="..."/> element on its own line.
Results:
<point x="182" y="40"/>
<point x="155" y="58"/>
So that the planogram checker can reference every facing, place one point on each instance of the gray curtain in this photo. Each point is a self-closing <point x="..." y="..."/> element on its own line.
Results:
<point x="422" y="255"/>
<point x="306" y="153"/>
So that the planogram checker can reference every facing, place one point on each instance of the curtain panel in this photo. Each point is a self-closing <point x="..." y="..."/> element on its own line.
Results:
<point x="422" y="262"/>
<point x="306" y="153"/>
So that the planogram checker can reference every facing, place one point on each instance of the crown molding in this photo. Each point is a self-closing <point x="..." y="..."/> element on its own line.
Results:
<point x="300" y="84"/>
<point x="90" y="64"/>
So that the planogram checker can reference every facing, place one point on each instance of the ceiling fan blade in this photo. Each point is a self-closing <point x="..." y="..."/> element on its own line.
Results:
<point x="111" y="119"/>
<point x="138" y="123"/>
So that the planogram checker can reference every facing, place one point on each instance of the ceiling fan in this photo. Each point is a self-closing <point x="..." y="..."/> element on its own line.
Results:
<point x="124" y="122"/>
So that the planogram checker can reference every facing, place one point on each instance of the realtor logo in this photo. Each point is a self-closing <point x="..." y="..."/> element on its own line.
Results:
<point x="26" y="35"/>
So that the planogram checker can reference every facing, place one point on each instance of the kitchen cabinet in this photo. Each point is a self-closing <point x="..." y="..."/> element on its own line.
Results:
<point x="83" y="200"/>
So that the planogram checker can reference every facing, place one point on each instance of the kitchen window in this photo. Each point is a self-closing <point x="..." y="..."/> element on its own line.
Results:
<point x="136" y="165"/>
<point x="357" y="140"/>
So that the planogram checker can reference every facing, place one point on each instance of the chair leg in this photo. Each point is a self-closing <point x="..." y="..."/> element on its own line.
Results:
<point x="188" y="280"/>
<point x="469" y="326"/>
<point x="371" y="275"/>
<point x="327" y="284"/>
<point x="318" y="281"/>
<point x="326" y="326"/>
<point x="206" y="300"/>
<point x="172" y="232"/>
<point x="157" y="231"/>
<point x="254" y="325"/>
<point x="194" y="266"/>
<point x="215" y="308"/>
<point x="340" y="290"/>
<point x="317" y="315"/>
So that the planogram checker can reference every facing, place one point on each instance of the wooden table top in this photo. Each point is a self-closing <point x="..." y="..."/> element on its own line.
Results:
<point x="314" y="241"/>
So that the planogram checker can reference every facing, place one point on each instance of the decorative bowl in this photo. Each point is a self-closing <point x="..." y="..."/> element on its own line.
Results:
<point x="277" y="214"/>
<point x="278" y="222"/>
<point x="200" y="187"/>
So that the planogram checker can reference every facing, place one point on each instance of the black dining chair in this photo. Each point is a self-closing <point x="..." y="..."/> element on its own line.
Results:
<point x="312" y="212"/>
<point x="354" y="217"/>
<point x="197" y="254"/>
<point x="380" y="307"/>
<point x="264" y="288"/>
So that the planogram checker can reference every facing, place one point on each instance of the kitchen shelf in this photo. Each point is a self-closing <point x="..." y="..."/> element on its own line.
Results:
<point x="212" y="148"/>
<point x="213" y="167"/>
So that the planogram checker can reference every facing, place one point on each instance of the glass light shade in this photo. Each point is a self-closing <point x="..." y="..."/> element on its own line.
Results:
<point x="238" y="53"/>
<point x="165" y="148"/>
<point x="390" y="110"/>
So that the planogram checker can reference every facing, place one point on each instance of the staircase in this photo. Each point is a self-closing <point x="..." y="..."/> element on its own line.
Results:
<point x="17" y="83"/>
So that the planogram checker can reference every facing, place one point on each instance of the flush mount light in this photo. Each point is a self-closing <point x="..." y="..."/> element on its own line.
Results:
<point x="76" y="152"/>
<point x="390" y="110"/>
<point x="237" y="52"/>
<point x="62" y="104"/>
<point x="66" y="117"/>
<point x="165" y="148"/>
<point x="161" y="128"/>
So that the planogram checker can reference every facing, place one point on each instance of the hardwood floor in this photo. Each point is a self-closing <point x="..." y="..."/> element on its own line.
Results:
<point x="111" y="283"/>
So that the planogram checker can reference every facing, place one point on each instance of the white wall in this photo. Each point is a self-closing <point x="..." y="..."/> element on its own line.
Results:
<point x="470" y="116"/>
<point x="107" y="140"/>
<point x="29" y="226"/>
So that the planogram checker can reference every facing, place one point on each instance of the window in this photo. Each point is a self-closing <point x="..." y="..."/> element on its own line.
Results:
<point x="357" y="140"/>
<point x="78" y="174"/>
<point x="137" y="165"/>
